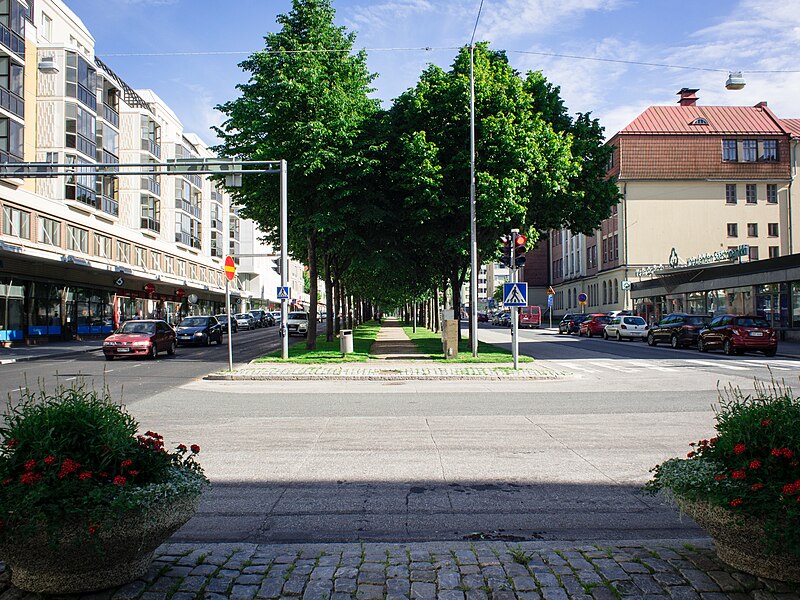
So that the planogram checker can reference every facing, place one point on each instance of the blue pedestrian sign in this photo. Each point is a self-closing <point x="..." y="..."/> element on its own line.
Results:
<point x="515" y="294"/>
<point x="283" y="293"/>
<point x="549" y="300"/>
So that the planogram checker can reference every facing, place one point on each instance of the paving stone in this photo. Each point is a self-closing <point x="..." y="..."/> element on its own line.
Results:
<point x="469" y="569"/>
<point x="450" y="595"/>
<point x="398" y="587"/>
<point x="163" y="584"/>
<point x="256" y="569"/>
<point x="700" y="581"/>
<point x="183" y="596"/>
<point x="329" y="561"/>
<point x="423" y="590"/>
<point x="493" y="571"/>
<point x="588" y="577"/>
<point x="249" y="580"/>
<point x="346" y="572"/>
<point x="243" y="592"/>
<point x="476" y="595"/>
<point x="212" y="596"/>
<point x="232" y="573"/>
<point x="449" y="580"/>
<point x="554" y="593"/>
<point x="762" y="595"/>
<point x="371" y="577"/>
<point x="530" y="596"/>
<point x="178" y="571"/>
<point x="647" y="583"/>
<point x="524" y="583"/>
<point x="474" y="582"/>
<point x="420" y="556"/>
<point x="397" y="571"/>
<point x="294" y="586"/>
<point x="341" y="596"/>
<point x="780" y="587"/>
<point x="318" y="589"/>
<point x="466" y="558"/>
<point x="270" y="588"/>
<point x="323" y="573"/>
<point x="129" y="591"/>
<point x="374" y="567"/>
<point x="682" y="592"/>
<point x="302" y="570"/>
<point x="634" y="567"/>
<point x="601" y="592"/>
<point x="546" y="580"/>
<point x="146" y="596"/>
<point x="424" y="576"/>
<point x="193" y="583"/>
<point x="713" y="596"/>
<point x="369" y="592"/>
<point x="657" y="564"/>
<point x="345" y="585"/>
<point x="219" y="585"/>
<point x="669" y="579"/>
<point x="203" y="570"/>
<point x="627" y="589"/>
<point x="515" y="569"/>
<point x="503" y="595"/>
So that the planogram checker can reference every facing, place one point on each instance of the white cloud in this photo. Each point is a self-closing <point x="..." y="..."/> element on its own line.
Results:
<point x="148" y="2"/>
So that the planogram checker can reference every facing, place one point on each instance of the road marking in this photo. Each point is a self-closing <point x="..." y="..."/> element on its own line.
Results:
<point x="647" y="365"/>
<point x="8" y="361"/>
<point x="721" y="364"/>
<point x="613" y="368"/>
<point x="567" y="365"/>
<point x="70" y="378"/>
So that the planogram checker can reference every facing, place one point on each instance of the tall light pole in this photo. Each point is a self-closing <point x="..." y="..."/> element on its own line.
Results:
<point x="473" y="225"/>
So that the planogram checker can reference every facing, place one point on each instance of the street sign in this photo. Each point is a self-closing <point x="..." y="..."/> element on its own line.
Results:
<point x="180" y="292"/>
<point x="551" y="291"/>
<point x="549" y="300"/>
<point x="119" y="282"/>
<point x="582" y="298"/>
<point x="515" y="294"/>
<point x="283" y="293"/>
<point x="230" y="268"/>
<point x="625" y="284"/>
<point x="150" y="288"/>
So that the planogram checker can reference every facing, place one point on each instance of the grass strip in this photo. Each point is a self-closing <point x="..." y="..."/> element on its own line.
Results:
<point x="328" y="352"/>
<point x="430" y="343"/>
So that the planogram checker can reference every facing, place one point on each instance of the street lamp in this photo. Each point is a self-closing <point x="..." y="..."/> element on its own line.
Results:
<point x="735" y="81"/>
<point x="473" y="227"/>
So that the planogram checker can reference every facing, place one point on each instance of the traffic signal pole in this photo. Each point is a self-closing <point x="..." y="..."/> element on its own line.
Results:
<point x="514" y="309"/>
<point x="230" y="324"/>
<point x="284" y="239"/>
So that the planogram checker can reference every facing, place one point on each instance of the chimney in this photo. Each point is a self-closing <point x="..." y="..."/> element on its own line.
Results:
<point x="688" y="97"/>
<point x="761" y="104"/>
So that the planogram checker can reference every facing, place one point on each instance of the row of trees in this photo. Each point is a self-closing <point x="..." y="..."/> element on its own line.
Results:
<point x="379" y="198"/>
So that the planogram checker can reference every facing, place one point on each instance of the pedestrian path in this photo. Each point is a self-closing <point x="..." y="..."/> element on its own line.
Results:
<point x="477" y="570"/>
<point x="392" y="343"/>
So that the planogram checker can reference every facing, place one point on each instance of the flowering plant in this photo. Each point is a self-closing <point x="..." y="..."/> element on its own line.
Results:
<point x="751" y="467"/>
<point x="75" y="456"/>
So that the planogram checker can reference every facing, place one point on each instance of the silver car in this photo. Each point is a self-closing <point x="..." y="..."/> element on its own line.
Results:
<point x="626" y="327"/>
<point x="297" y="323"/>
<point x="244" y="321"/>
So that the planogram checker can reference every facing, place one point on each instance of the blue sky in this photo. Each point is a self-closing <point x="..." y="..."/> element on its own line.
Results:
<point x="750" y="35"/>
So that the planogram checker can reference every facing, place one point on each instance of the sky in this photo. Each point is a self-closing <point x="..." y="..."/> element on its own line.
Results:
<point x="711" y="37"/>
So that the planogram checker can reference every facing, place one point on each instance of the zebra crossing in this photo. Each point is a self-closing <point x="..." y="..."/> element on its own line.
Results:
<point x="742" y="367"/>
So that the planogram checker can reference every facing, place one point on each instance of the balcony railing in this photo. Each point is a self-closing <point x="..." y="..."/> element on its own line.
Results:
<point x="151" y="147"/>
<point x="81" y="144"/>
<point x="109" y="158"/>
<point x="109" y="206"/>
<point x="88" y="97"/>
<point x="82" y="194"/>
<point x="10" y="157"/>
<point x="195" y="180"/>
<point x="152" y="225"/>
<point x="188" y="240"/>
<point x="186" y="206"/>
<point x="12" y="103"/>
<point x="13" y="41"/>
<point x="111" y="115"/>
<point x="151" y="185"/>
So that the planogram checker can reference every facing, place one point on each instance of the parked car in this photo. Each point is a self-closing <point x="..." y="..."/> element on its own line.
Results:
<point x="571" y="323"/>
<point x="737" y="334"/>
<point x="262" y="318"/>
<point x="146" y="337"/>
<point x="297" y="323"/>
<point x="622" y="327"/>
<point x="594" y="324"/>
<point x="483" y="317"/>
<point x="245" y="321"/>
<point x="276" y="316"/>
<point x="227" y="322"/>
<point x="530" y="316"/>
<point x="199" y="330"/>
<point x="678" y="329"/>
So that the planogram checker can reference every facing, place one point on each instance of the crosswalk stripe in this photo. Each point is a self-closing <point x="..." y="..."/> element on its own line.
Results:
<point x="720" y="364"/>
<point x="647" y="365"/>
<point x="612" y="367"/>
<point x="568" y="365"/>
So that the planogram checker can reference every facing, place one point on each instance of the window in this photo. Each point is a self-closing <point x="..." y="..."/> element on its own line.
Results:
<point x="699" y="121"/>
<point x="730" y="193"/>
<point x="151" y="213"/>
<point x="81" y="130"/>
<point x="772" y="193"/>
<point x="47" y="27"/>
<point x="81" y="80"/>
<point x="605" y="250"/>
<point x="753" y="252"/>
<point x="16" y="222"/>
<point x="749" y="150"/>
<point x="141" y="257"/>
<point x="752" y="230"/>
<point x="729" y="150"/>
<point x="751" y="193"/>
<point x="605" y="293"/>
<point x="155" y="260"/>
<point x="11" y="140"/>
<point x="616" y="246"/>
<point x="49" y="231"/>
<point x="770" y="153"/>
<point x="123" y="252"/>
<point x="169" y="264"/>
<point x="182" y="268"/>
<point x="774" y="251"/>
<point x="616" y="290"/>
<point x="11" y="80"/>
<point x="772" y="229"/>
<point x="733" y="230"/>
<point x="77" y="239"/>
<point x="102" y="246"/>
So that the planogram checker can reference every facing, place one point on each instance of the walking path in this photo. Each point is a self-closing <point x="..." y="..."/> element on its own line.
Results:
<point x="392" y="343"/>
<point x="439" y="571"/>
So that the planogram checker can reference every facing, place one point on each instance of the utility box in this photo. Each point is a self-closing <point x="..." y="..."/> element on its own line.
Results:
<point x="450" y="338"/>
<point x="448" y="314"/>
<point x="346" y="341"/>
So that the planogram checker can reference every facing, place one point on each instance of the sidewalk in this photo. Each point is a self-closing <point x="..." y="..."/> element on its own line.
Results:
<point x="392" y="343"/>
<point x="44" y="351"/>
<point x="477" y="570"/>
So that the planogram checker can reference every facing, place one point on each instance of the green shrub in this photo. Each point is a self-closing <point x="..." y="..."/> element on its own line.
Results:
<point x="752" y="466"/>
<point x="74" y="454"/>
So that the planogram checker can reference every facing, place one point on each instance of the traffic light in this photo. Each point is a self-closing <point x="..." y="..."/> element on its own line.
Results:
<point x="505" y="258"/>
<point x="276" y="265"/>
<point x="519" y="250"/>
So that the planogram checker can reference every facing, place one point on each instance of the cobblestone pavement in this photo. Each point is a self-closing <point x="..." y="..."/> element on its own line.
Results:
<point x="439" y="571"/>
<point x="381" y="371"/>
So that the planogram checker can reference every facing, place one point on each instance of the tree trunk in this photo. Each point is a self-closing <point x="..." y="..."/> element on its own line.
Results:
<point x="313" y="274"/>
<point x="456" y="298"/>
<point x="328" y="300"/>
<point x="436" y="310"/>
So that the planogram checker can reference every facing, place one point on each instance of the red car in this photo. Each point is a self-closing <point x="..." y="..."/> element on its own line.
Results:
<point x="140" y="338"/>
<point x="736" y="334"/>
<point x="594" y="325"/>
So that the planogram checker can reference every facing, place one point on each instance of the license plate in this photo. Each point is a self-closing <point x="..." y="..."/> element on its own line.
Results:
<point x="123" y="349"/>
<point x="756" y="333"/>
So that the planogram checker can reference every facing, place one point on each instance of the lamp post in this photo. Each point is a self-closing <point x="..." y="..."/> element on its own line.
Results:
<point x="473" y="227"/>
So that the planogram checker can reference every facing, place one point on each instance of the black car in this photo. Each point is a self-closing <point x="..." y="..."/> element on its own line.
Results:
<point x="571" y="323"/>
<point x="224" y="320"/>
<point x="679" y="330"/>
<point x="262" y="318"/>
<point x="199" y="330"/>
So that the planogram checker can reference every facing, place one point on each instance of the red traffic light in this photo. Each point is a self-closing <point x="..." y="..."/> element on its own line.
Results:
<point x="521" y="240"/>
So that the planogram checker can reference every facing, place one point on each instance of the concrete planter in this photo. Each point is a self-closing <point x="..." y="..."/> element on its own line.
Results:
<point x="740" y="541"/>
<point x="122" y="551"/>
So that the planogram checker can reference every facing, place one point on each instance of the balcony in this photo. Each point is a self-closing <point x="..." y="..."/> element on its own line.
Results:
<point x="195" y="180"/>
<point x="153" y="225"/>
<point x="82" y="145"/>
<point x="151" y="147"/>
<point x="109" y="158"/>
<point x="187" y="207"/>
<point x="111" y="115"/>
<point x="151" y="185"/>
<point x="188" y="240"/>
<point x="10" y="157"/>
<point x="82" y="194"/>
<point x="109" y="206"/>
<point x="87" y="97"/>
<point x="12" y="103"/>
<point x="13" y="41"/>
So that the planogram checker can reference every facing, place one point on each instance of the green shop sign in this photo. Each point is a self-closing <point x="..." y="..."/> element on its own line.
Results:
<point x="708" y="258"/>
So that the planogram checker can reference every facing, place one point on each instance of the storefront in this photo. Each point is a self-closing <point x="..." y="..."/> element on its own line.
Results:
<point x="768" y="288"/>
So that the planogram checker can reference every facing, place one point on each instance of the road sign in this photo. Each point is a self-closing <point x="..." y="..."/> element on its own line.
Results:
<point x="551" y="291"/>
<point x="582" y="298"/>
<point x="180" y="292"/>
<point x="150" y="288"/>
<point x="625" y="284"/>
<point x="550" y="300"/>
<point x="230" y="268"/>
<point x="119" y="282"/>
<point x="283" y="293"/>
<point x="515" y="294"/>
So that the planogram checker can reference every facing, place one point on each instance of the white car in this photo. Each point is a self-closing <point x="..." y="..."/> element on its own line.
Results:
<point x="297" y="323"/>
<point x="244" y="321"/>
<point x="627" y="326"/>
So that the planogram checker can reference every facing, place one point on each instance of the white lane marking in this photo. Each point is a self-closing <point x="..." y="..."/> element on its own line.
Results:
<point x="568" y="365"/>
<point x="646" y="365"/>
<point x="612" y="367"/>
<point x="70" y="378"/>
<point x="721" y="364"/>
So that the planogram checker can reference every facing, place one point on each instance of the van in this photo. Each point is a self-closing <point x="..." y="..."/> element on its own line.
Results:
<point x="530" y="316"/>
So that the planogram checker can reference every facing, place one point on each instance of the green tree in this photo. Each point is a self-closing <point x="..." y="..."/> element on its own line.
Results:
<point x="306" y="101"/>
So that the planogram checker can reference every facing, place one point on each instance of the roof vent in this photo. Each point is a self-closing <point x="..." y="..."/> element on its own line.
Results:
<point x="688" y="96"/>
<point x="699" y="121"/>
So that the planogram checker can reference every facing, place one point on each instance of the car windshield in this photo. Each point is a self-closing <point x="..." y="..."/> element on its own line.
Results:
<point x="752" y="322"/>
<point x="138" y="327"/>
<point x="298" y="316"/>
<point x="602" y="319"/>
<point x="696" y="320"/>
<point x="579" y="318"/>
<point x="194" y="322"/>
<point x="634" y="321"/>
<point x="242" y="316"/>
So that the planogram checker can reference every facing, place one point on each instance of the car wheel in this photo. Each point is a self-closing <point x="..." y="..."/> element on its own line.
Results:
<point x="674" y="342"/>
<point x="171" y="349"/>
<point x="219" y="339"/>
<point x="701" y="345"/>
<point x="771" y="352"/>
<point x="727" y="348"/>
<point x="589" y="332"/>
<point x="619" y="336"/>
<point x="605" y="335"/>
<point x="109" y="357"/>
<point x="153" y="354"/>
<point x="651" y="339"/>
<point x="208" y="341"/>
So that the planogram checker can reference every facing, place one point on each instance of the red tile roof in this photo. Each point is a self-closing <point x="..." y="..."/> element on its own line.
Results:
<point x="792" y="126"/>
<point x="721" y="120"/>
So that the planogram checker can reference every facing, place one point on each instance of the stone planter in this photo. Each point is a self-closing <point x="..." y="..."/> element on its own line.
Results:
<point x="122" y="551"/>
<point x="739" y="541"/>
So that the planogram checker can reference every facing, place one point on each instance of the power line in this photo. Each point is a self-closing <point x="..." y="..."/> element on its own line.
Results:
<point x="474" y="29"/>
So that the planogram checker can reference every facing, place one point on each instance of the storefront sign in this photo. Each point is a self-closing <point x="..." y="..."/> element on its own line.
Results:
<point x="119" y="282"/>
<point x="180" y="292"/>
<point x="717" y="256"/>
<point x="150" y="288"/>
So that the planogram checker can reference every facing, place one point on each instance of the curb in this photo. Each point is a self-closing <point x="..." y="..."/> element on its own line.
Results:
<point x="11" y="361"/>
<point x="410" y="377"/>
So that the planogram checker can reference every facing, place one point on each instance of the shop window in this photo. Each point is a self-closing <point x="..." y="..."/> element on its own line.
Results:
<point x="77" y="239"/>
<point x="752" y="230"/>
<point x="733" y="230"/>
<point x="730" y="193"/>
<point x="102" y="246"/>
<point x="49" y="231"/>
<point x="12" y="297"/>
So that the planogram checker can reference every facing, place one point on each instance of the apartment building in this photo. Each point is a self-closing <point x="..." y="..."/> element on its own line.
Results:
<point x="700" y="185"/>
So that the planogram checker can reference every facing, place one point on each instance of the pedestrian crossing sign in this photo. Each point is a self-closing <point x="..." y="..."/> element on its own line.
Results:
<point x="515" y="294"/>
<point x="551" y="291"/>
<point x="283" y="293"/>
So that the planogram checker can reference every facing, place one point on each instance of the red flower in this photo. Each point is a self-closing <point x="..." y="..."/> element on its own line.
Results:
<point x="85" y="475"/>
<point x="120" y="480"/>
<point x="103" y="474"/>
<point x="785" y="452"/>
<point x="690" y="455"/>
<point x="194" y="448"/>
<point x="739" y="448"/>
<point x="133" y="473"/>
<point x="127" y="462"/>
<point x="719" y="477"/>
<point x="713" y="440"/>
<point x="791" y="488"/>
<point x="68" y="467"/>
<point x="93" y="529"/>
<point x="182" y="448"/>
<point x="766" y="422"/>
<point x="30" y="478"/>
<point x="757" y="487"/>
<point x="30" y="465"/>
<point x="12" y="442"/>
<point x="7" y="481"/>
<point x="755" y="465"/>
<point x="739" y="474"/>
<point x="49" y="460"/>
<point x="736" y="502"/>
